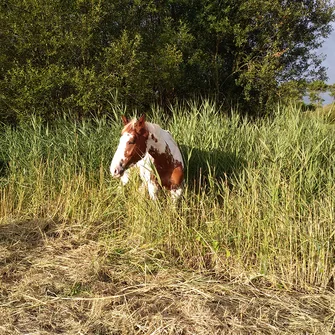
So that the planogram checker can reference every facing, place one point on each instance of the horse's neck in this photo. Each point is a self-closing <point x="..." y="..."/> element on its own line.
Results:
<point x="161" y="142"/>
<point x="158" y="140"/>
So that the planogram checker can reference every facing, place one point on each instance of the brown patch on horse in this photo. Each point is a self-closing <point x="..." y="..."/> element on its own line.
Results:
<point x="177" y="176"/>
<point x="137" y="125"/>
<point x="140" y="124"/>
<point x="170" y="171"/>
<point x="135" y="149"/>
<point x="154" y="138"/>
<point x="128" y="126"/>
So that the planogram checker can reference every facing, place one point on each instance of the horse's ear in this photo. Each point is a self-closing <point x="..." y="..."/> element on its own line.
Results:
<point x="140" y="123"/>
<point x="124" y="120"/>
<point x="141" y="120"/>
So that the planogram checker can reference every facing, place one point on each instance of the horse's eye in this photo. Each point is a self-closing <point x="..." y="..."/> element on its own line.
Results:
<point x="131" y="142"/>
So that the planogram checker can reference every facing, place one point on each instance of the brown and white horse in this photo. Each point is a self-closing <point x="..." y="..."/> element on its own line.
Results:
<point x="154" y="151"/>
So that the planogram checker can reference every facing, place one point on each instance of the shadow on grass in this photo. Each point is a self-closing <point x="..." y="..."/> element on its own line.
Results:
<point x="28" y="232"/>
<point x="202" y="165"/>
<point x="4" y="168"/>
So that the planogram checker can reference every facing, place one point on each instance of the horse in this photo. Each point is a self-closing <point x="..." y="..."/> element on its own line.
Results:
<point x="156" y="154"/>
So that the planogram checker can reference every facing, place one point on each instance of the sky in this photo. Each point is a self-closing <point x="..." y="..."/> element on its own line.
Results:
<point x="328" y="49"/>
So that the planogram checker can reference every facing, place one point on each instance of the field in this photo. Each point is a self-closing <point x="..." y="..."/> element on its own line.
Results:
<point x="249" y="249"/>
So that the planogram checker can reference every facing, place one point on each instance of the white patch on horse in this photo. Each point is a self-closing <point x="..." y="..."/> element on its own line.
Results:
<point x="119" y="155"/>
<point x="160" y="139"/>
<point x="145" y="165"/>
<point x="154" y="141"/>
<point x="125" y="177"/>
<point x="175" y="152"/>
<point x="175" y="194"/>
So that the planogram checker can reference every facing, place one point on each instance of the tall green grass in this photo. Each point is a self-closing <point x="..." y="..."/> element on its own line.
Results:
<point x="258" y="201"/>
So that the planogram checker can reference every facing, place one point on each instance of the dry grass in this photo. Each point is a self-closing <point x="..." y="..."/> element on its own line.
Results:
<point x="59" y="279"/>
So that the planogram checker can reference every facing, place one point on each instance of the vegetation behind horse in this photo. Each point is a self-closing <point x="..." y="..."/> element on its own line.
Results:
<point x="86" y="56"/>
<point x="259" y="193"/>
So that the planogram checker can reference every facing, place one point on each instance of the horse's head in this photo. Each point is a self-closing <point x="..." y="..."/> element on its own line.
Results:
<point x="132" y="146"/>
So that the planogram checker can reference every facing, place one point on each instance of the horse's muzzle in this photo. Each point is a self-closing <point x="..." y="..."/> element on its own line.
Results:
<point x="118" y="172"/>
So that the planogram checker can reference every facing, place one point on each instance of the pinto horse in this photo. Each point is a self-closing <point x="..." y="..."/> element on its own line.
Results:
<point x="152" y="149"/>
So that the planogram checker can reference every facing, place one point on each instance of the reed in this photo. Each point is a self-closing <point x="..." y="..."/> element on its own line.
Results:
<point x="258" y="201"/>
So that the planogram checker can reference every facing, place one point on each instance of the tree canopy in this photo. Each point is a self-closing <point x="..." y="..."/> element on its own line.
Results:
<point x="76" y="55"/>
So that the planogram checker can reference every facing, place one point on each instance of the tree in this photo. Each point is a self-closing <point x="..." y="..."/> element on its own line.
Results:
<point x="259" y="45"/>
<point x="314" y="90"/>
<point x="73" y="55"/>
<point x="331" y="90"/>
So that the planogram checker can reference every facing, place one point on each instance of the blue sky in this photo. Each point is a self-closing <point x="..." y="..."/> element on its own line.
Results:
<point x="328" y="49"/>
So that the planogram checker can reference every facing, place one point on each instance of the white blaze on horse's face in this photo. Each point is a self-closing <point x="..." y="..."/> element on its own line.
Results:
<point x="117" y="166"/>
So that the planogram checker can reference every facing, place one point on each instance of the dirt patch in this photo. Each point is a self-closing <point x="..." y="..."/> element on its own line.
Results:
<point x="54" y="282"/>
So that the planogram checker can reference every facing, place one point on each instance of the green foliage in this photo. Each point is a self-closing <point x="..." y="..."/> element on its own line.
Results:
<point x="259" y="197"/>
<point x="75" y="55"/>
<point x="331" y="89"/>
<point x="314" y="90"/>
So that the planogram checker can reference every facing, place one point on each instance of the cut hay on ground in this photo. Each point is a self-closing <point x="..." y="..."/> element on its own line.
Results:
<point x="63" y="280"/>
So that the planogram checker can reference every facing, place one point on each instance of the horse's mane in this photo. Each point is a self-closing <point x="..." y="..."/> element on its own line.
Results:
<point x="129" y="126"/>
